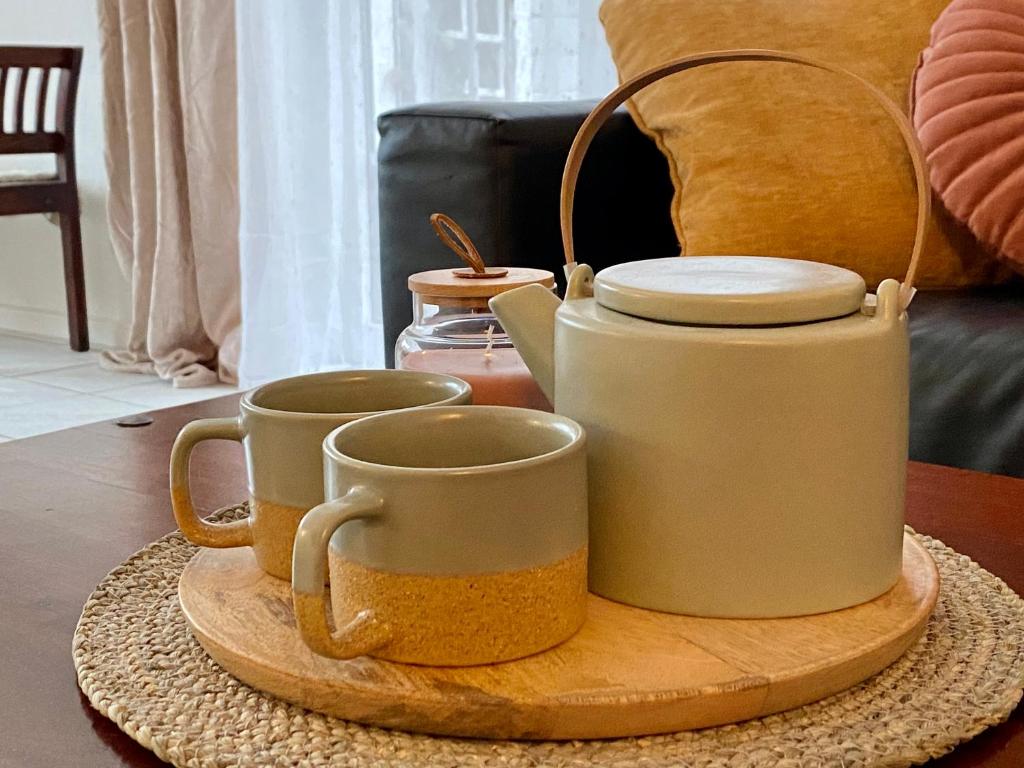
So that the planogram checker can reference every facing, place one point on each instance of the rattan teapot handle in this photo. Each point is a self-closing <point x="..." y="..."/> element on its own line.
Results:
<point x="613" y="100"/>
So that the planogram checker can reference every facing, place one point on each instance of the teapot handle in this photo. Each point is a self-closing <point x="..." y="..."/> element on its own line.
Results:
<point x="614" y="99"/>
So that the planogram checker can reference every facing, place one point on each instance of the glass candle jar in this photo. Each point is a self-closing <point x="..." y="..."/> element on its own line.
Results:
<point x="454" y="331"/>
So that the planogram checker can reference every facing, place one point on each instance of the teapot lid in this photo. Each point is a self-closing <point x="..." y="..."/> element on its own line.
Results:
<point x="730" y="290"/>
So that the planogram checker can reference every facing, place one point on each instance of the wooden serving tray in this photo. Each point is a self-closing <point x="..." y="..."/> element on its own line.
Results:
<point x="627" y="672"/>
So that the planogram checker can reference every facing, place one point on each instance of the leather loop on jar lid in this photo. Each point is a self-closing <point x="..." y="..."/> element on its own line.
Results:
<point x="475" y="283"/>
<point x="455" y="237"/>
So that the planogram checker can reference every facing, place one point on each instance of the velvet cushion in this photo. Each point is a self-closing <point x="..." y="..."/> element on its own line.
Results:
<point x="775" y="159"/>
<point x="969" y="114"/>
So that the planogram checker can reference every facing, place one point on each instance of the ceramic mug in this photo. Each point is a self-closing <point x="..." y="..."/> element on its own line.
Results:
<point x="456" y="536"/>
<point x="282" y="426"/>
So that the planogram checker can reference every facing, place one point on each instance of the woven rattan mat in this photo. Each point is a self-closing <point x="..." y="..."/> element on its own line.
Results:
<point x="140" y="666"/>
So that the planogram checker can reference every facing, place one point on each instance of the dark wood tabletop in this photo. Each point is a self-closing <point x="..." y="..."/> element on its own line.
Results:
<point x="76" y="503"/>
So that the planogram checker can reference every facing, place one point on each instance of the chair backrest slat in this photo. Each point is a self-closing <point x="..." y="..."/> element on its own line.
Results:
<point x="44" y="87"/>
<point x="17" y="102"/>
<point x="3" y="96"/>
<point x="19" y="105"/>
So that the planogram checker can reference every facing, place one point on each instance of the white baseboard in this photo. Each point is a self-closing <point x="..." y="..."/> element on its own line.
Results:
<point x="104" y="332"/>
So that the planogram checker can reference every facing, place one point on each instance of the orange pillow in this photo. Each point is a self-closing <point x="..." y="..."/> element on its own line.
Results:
<point x="968" y="105"/>
<point x="775" y="159"/>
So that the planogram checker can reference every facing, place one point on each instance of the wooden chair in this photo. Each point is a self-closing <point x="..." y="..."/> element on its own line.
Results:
<point x="45" y="193"/>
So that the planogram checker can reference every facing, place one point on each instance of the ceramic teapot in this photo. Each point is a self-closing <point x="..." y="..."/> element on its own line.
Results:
<point x="746" y="416"/>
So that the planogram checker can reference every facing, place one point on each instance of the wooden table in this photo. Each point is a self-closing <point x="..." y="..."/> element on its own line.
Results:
<point x="74" y="504"/>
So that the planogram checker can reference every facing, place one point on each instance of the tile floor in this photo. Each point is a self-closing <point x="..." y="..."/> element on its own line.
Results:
<point x="44" y="386"/>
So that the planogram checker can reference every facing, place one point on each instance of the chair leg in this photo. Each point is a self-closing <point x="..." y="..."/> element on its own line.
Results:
<point x="74" y="280"/>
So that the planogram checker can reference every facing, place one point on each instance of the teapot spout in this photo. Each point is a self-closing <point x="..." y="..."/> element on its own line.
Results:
<point x="528" y="316"/>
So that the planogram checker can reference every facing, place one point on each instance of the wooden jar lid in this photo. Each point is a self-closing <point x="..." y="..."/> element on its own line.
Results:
<point x="446" y="283"/>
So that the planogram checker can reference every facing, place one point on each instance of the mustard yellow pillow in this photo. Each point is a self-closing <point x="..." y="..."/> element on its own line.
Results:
<point x="775" y="159"/>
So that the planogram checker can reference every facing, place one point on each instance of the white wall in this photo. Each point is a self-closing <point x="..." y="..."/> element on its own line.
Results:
<point x="31" y="272"/>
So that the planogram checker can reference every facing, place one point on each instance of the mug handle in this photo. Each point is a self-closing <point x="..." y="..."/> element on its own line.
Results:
<point x="365" y="632"/>
<point x="196" y="529"/>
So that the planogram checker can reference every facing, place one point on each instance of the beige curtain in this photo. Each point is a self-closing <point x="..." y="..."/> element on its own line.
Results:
<point x="170" y="109"/>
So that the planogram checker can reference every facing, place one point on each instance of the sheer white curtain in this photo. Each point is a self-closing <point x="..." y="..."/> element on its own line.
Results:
<point x="312" y="77"/>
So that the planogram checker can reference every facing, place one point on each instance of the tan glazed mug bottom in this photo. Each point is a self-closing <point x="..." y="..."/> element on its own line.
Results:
<point x="271" y="532"/>
<point x="273" y="527"/>
<point x="463" y="620"/>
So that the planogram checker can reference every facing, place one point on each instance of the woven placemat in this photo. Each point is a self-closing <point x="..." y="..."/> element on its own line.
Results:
<point x="140" y="666"/>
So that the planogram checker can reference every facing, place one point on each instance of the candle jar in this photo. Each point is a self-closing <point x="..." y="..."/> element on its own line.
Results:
<point x="454" y="332"/>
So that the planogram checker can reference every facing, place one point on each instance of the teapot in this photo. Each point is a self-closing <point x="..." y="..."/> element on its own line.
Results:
<point x="746" y="415"/>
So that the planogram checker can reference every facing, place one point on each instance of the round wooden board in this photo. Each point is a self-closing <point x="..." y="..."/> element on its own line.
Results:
<point x="627" y="672"/>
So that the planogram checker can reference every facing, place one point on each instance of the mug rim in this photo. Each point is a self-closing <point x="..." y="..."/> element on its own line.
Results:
<point x="246" y="403"/>
<point x="577" y="443"/>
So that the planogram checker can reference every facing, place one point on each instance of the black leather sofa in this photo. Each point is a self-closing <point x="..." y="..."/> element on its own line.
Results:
<point x="496" y="168"/>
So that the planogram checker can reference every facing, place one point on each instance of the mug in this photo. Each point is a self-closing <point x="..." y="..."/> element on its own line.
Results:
<point x="282" y="426"/>
<point x="456" y="536"/>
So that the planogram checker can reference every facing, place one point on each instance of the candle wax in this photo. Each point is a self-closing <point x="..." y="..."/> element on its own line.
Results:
<point x="498" y="376"/>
